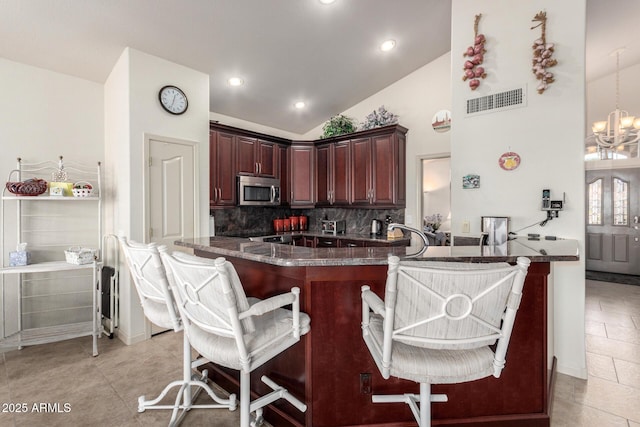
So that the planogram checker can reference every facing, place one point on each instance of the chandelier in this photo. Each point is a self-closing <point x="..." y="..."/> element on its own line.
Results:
<point x="620" y="128"/>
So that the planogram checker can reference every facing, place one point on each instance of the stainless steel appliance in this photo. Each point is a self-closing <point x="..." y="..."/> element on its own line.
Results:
<point x="333" y="227"/>
<point x="495" y="229"/>
<point x="376" y="227"/>
<point x="258" y="191"/>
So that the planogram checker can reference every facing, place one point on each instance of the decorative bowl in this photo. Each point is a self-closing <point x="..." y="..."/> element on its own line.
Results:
<point x="82" y="189"/>
<point x="29" y="187"/>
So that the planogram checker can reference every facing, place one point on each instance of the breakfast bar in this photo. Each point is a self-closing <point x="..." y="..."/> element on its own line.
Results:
<point x="331" y="369"/>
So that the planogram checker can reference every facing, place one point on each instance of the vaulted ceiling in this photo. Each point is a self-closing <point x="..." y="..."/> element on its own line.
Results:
<point x="285" y="50"/>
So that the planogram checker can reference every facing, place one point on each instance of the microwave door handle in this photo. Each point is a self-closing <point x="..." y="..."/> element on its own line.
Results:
<point x="273" y="193"/>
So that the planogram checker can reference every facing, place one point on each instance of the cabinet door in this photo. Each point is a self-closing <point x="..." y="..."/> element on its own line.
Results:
<point x="385" y="167"/>
<point x="323" y="175"/>
<point x="341" y="174"/>
<point x="213" y="182"/>
<point x="401" y="188"/>
<point x="361" y="171"/>
<point x="222" y="174"/>
<point x="283" y="167"/>
<point x="302" y="176"/>
<point x="267" y="159"/>
<point x="247" y="161"/>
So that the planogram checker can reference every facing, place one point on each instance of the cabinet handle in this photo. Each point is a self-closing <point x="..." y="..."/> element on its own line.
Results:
<point x="351" y="245"/>
<point x="260" y="168"/>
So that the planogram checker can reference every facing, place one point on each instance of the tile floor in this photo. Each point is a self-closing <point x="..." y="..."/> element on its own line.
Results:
<point x="611" y="395"/>
<point x="104" y="390"/>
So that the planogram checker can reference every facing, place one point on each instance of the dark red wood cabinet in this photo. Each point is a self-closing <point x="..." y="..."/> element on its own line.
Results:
<point x="222" y="173"/>
<point x="257" y="157"/>
<point x="333" y="169"/>
<point x="362" y="169"/>
<point x="301" y="171"/>
<point x="378" y="164"/>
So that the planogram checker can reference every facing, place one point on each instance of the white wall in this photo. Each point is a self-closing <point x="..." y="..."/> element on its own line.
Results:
<point x="46" y="114"/>
<point x="415" y="98"/>
<point x="133" y="111"/>
<point x="548" y="134"/>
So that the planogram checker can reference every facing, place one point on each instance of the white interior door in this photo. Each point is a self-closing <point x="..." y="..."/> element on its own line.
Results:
<point x="171" y="204"/>
<point x="171" y="175"/>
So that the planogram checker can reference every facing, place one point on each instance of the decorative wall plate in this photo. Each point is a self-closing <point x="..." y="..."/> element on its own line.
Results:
<point x="441" y="121"/>
<point x="509" y="161"/>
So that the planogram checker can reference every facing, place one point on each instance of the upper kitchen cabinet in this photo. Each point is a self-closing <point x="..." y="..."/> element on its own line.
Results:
<point x="222" y="173"/>
<point x="378" y="159"/>
<point x="257" y="157"/>
<point x="301" y="171"/>
<point x="333" y="167"/>
<point x="364" y="169"/>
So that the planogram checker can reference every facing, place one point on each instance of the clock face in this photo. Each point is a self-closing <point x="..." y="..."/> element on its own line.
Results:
<point x="173" y="100"/>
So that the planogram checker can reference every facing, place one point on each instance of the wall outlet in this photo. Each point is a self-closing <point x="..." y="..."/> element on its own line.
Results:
<point x="466" y="228"/>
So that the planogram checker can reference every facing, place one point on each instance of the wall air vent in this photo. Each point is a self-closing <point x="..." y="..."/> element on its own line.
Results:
<point x="506" y="100"/>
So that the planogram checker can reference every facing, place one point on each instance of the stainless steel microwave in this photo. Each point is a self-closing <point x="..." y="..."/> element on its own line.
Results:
<point x="258" y="191"/>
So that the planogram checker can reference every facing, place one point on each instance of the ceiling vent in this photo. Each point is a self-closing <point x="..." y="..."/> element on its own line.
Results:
<point x="506" y="100"/>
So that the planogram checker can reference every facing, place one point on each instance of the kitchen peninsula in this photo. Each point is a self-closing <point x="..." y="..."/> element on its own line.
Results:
<point x="328" y="368"/>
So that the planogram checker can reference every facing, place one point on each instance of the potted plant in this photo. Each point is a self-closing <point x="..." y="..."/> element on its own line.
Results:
<point x="378" y="118"/>
<point x="338" y="125"/>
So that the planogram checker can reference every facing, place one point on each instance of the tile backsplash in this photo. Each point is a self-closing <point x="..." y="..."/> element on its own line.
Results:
<point x="259" y="220"/>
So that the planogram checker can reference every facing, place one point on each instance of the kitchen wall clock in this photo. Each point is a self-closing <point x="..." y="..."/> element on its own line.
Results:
<point x="173" y="100"/>
<point x="509" y="161"/>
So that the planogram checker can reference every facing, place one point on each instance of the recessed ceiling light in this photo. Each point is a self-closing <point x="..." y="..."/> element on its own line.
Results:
<point x="388" y="45"/>
<point x="327" y="1"/>
<point x="299" y="105"/>
<point x="235" y="81"/>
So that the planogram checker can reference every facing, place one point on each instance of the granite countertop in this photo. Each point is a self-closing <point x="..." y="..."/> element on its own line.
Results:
<point x="298" y="256"/>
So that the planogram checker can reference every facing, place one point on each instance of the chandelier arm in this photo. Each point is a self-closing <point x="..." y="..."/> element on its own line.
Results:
<point x="617" y="131"/>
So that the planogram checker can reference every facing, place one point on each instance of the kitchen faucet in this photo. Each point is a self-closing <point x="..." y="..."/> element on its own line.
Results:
<point x="425" y="241"/>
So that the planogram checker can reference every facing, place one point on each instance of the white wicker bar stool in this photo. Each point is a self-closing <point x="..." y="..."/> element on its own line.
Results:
<point x="159" y="307"/>
<point x="438" y="323"/>
<point x="228" y="329"/>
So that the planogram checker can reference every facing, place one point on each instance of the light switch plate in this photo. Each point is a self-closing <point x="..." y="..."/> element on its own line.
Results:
<point x="466" y="228"/>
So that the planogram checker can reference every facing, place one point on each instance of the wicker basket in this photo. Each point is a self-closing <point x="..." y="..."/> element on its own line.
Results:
<point x="29" y="187"/>
<point x="78" y="255"/>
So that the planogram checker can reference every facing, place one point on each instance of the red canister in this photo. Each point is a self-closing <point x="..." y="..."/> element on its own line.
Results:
<point x="287" y="224"/>
<point x="278" y="225"/>
<point x="294" y="223"/>
<point x="302" y="219"/>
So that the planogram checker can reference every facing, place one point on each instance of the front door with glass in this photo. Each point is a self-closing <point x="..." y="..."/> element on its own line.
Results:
<point x="613" y="210"/>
